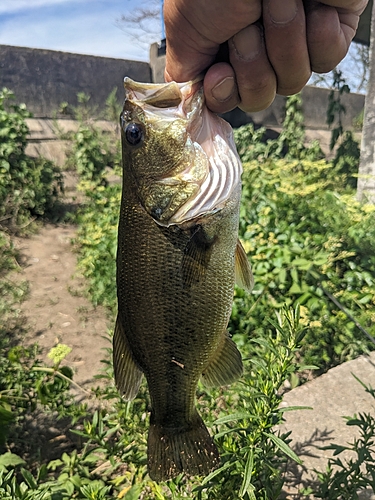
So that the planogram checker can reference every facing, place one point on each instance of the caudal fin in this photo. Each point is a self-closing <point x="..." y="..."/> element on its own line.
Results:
<point x="174" y="450"/>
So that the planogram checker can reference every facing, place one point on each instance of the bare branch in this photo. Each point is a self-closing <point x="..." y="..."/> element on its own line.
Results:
<point x="143" y="25"/>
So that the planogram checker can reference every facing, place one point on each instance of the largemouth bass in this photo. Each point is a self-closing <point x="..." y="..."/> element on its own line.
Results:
<point x="177" y="254"/>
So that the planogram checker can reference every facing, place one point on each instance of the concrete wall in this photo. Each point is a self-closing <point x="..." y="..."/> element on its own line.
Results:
<point x="43" y="79"/>
<point x="44" y="137"/>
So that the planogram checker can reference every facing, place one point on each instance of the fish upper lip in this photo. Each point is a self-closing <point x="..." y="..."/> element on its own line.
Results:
<point x="146" y="96"/>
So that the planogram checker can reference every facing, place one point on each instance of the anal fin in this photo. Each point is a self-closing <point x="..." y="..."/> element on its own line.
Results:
<point x="225" y="365"/>
<point x="128" y="375"/>
<point x="244" y="275"/>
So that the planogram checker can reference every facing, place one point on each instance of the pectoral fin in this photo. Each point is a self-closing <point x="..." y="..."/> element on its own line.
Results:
<point x="244" y="275"/>
<point x="128" y="375"/>
<point x="225" y="366"/>
<point x="196" y="257"/>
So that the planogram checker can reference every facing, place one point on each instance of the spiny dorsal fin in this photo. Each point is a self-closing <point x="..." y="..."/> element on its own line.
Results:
<point x="128" y="375"/>
<point x="244" y="275"/>
<point x="225" y="365"/>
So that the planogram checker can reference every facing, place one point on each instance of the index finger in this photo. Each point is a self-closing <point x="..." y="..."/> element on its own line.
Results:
<point x="195" y="31"/>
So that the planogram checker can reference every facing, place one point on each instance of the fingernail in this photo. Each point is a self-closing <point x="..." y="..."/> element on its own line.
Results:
<point x="247" y="43"/>
<point x="224" y="90"/>
<point x="282" y="12"/>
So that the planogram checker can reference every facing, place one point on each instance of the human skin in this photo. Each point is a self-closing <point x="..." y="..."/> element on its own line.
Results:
<point x="271" y="46"/>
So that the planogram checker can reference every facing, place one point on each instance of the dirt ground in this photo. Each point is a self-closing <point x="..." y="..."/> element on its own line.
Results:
<point x="56" y="309"/>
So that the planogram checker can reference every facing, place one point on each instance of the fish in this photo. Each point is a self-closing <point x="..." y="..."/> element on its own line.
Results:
<point x="178" y="259"/>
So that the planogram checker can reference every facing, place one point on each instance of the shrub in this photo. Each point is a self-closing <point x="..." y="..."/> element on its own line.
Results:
<point x="28" y="186"/>
<point x="304" y="239"/>
<point x="97" y="242"/>
<point x="93" y="148"/>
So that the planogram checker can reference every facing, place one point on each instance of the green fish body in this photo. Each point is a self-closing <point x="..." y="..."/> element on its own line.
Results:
<point x="177" y="254"/>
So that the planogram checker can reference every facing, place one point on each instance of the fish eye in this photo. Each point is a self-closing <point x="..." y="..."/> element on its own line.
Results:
<point x="134" y="134"/>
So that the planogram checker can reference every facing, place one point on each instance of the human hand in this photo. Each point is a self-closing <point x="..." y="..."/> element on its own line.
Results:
<point x="271" y="46"/>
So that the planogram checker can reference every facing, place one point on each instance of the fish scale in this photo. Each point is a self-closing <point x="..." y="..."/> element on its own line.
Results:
<point x="175" y="287"/>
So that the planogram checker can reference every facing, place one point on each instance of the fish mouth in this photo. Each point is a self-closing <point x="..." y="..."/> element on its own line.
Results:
<point x="167" y="101"/>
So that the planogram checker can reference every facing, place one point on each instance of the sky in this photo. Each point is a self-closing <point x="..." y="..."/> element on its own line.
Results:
<point x="81" y="26"/>
<point x="94" y="27"/>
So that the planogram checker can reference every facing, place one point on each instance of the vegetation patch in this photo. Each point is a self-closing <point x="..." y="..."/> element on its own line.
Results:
<point x="29" y="187"/>
<point x="310" y="244"/>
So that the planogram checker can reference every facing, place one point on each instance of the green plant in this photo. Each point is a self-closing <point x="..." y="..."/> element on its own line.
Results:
<point x="28" y="186"/>
<point x="88" y="155"/>
<point x="292" y="135"/>
<point x="97" y="242"/>
<point x="301" y="234"/>
<point x="252" y="145"/>
<point x="95" y="146"/>
<point x="336" y="108"/>
<point x="347" y="155"/>
<point x="346" y="479"/>
<point x="347" y="158"/>
<point x="253" y="454"/>
<point x="113" y="109"/>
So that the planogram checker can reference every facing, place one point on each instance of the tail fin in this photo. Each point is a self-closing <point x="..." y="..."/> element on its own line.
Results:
<point x="174" y="450"/>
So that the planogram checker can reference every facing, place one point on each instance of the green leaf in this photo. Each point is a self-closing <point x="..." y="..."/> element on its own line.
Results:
<point x="76" y="480"/>
<point x="6" y="415"/>
<point x="246" y="483"/>
<point x="308" y="367"/>
<point x="294" y="274"/>
<point x="133" y="493"/>
<point x="303" y="264"/>
<point x="29" y="478"/>
<point x="292" y="408"/>
<point x="217" y="472"/>
<point x="10" y="459"/>
<point x="229" y="431"/>
<point x="295" y="289"/>
<point x="284" y="447"/>
<point x="233" y="418"/>
<point x="282" y="275"/>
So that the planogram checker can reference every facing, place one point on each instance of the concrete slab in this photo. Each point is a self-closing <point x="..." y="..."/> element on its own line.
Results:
<point x="332" y="396"/>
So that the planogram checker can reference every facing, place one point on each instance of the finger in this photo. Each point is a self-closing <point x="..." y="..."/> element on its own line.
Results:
<point x="329" y="33"/>
<point x="187" y="51"/>
<point x="256" y="79"/>
<point x="285" y="35"/>
<point x="195" y="30"/>
<point x="347" y="5"/>
<point x="220" y="88"/>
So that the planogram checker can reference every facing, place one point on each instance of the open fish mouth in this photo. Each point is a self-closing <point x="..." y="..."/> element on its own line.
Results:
<point x="210" y="136"/>
<point x="165" y="102"/>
